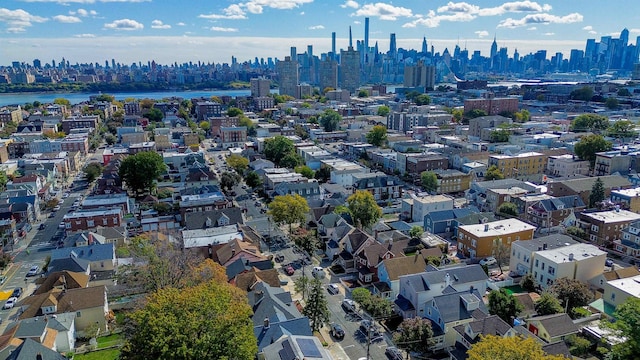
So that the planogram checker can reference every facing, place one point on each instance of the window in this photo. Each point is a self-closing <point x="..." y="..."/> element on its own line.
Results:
<point x="537" y="261"/>
<point x="542" y="266"/>
<point x="104" y="221"/>
<point x="90" y="223"/>
<point x="552" y="270"/>
<point x="78" y="314"/>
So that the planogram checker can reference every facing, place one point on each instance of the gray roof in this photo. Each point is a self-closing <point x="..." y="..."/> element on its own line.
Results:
<point x="69" y="264"/>
<point x="451" y="307"/>
<point x="476" y="218"/>
<point x="91" y="253"/>
<point x="267" y="336"/>
<point x="553" y="241"/>
<point x="557" y="324"/>
<point x="458" y="275"/>
<point x="271" y="303"/>
<point x="30" y="349"/>
<point x="563" y="202"/>
<point x="504" y="184"/>
<point x="585" y="184"/>
<point x="198" y="220"/>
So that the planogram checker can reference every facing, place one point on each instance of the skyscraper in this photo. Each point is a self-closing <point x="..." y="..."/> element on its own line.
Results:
<point x="393" y="49"/>
<point x="366" y="40"/>
<point x="260" y="87"/>
<point x="349" y="68"/>
<point x="424" y="45"/>
<point x="328" y="74"/>
<point x="420" y="75"/>
<point x="333" y="45"/>
<point x="287" y="70"/>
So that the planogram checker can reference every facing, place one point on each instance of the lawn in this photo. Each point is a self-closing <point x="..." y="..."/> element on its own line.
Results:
<point x="106" y="341"/>
<point x="111" y="354"/>
<point x="515" y="289"/>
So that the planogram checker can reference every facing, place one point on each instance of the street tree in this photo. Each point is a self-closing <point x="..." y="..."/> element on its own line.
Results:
<point x="505" y="305"/>
<point x="191" y="323"/>
<point x="627" y="326"/>
<point x="305" y="171"/>
<point x="205" y="125"/>
<point x="323" y="174"/>
<point x="611" y="103"/>
<point x="522" y="116"/>
<point x="493" y="173"/>
<point x="374" y="305"/>
<point x="234" y="111"/>
<point x="622" y="129"/>
<point x="500" y="252"/>
<point x="92" y="171"/>
<point x="589" y="122"/>
<point x="509" y="348"/>
<point x="423" y="99"/>
<point x="288" y="209"/>
<point x="363" y="208"/>
<point x="363" y="94"/>
<point x="383" y="111"/>
<point x="415" y="232"/>
<point x="414" y="335"/>
<point x="589" y="145"/>
<point x="238" y="163"/>
<point x="508" y="208"/>
<point x="330" y="120"/>
<point x="140" y="171"/>
<point x="597" y="193"/>
<point x="253" y="180"/>
<point x="571" y="293"/>
<point x="302" y="285"/>
<point x="316" y="307"/>
<point x="547" y="304"/>
<point x="429" y="181"/>
<point x="228" y="180"/>
<point x="154" y="115"/>
<point x="500" y="135"/>
<point x="377" y="136"/>
<point x="278" y="147"/>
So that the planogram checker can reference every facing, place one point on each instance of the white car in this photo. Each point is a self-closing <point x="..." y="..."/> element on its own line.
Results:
<point x="11" y="302"/>
<point x="35" y="269"/>
<point x="56" y="208"/>
<point x="488" y="261"/>
<point x="61" y="225"/>
<point x="333" y="289"/>
<point x="65" y="195"/>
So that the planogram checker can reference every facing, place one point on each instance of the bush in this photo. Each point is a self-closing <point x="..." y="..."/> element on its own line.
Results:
<point x="578" y="346"/>
<point x="578" y="312"/>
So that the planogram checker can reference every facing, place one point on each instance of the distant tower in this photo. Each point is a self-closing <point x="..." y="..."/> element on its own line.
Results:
<point x="624" y="36"/>
<point x="494" y="47"/>
<point x="424" y="45"/>
<point x="349" y="67"/>
<point x="37" y="64"/>
<point x="350" y="39"/>
<point x="294" y="53"/>
<point x="366" y="40"/>
<point x="333" y="45"/>
<point x="288" y="74"/>
<point x="393" y="49"/>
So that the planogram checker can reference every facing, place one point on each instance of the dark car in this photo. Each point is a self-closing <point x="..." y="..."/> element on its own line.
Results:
<point x="17" y="292"/>
<point x="393" y="353"/>
<point x="42" y="226"/>
<point x="337" y="331"/>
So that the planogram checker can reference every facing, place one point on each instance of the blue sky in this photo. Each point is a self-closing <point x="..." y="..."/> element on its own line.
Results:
<point x="214" y="30"/>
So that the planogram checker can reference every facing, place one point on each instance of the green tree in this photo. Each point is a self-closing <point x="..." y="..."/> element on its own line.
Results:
<point x="363" y="208"/>
<point x="92" y="171"/>
<point x="277" y="147"/>
<point x="493" y="173"/>
<point x="528" y="283"/>
<point x="578" y="346"/>
<point x="423" y="99"/>
<point x="302" y="285"/>
<point x="547" y="304"/>
<point x="374" y="305"/>
<point x="234" y="111"/>
<point x="589" y="122"/>
<point x="597" y="193"/>
<point x="458" y="115"/>
<point x="612" y="103"/>
<point x="251" y="127"/>
<point x="140" y="171"/>
<point x="500" y="135"/>
<point x="62" y="101"/>
<point x="509" y="348"/>
<point x="377" y="136"/>
<point x="323" y="174"/>
<point x="253" y="180"/>
<point x="291" y="160"/>
<point x="508" y="209"/>
<point x="505" y="305"/>
<point x="3" y="180"/>
<point x="627" y="326"/>
<point x="105" y="97"/>
<point x="384" y="111"/>
<point x="305" y="171"/>
<point x="589" y="145"/>
<point x="571" y="293"/>
<point x="476" y="113"/>
<point x="500" y="252"/>
<point x="204" y="125"/>
<point x="316" y="307"/>
<point x="622" y="129"/>
<point x="228" y="180"/>
<point x="363" y="94"/>
<point x="191" y="323"/>
<point x="522" y="116"/>
<point x="154" y="115"/>
<point x="621" y="92"/>
<point x="330" y="120"/>
<point x="361" y="296"/>
<point x="414" y="335"/>
<point x="238" y="163"/>
<point x="585" y="93"/>
<point x="288" y="209"/>
<point x="416" y="231"/>
<point x="110" y="139"/>
<point x="429" y="181"/>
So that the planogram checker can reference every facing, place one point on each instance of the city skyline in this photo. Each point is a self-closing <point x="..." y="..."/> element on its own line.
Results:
<point x="98" y="30"/>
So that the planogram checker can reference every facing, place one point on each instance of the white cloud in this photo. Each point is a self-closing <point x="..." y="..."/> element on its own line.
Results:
<point x="80" y="12"/>
<point x="301" y="12"/>
<point x="316" y="27"/>
<point x="593" y="32"/>
<point x="383" y="11"/>
<point x="549" y="34"/>
<point x="124" y="24"/>
<point x="256" y="6"/>
<point x="232" y="12"/>
<point x="507" y="7"/>
<point x="432" y="20"/>
<point x="66" y="2"/>
<point x="634" y="31"/>
<point x="350" y="4"/>
<point x="67" y="19"/>
<point x="588" y="28"/>
<point x="482" y="33"/>
<point x="223" y="29"/>
<point x="357" y="22"/>
<point x="532" y="28"/>
<point x="541" y="19"/>
<point x="181" y="24"/>
<point x="157" y="24"/>
<point x="84" y="36"/>
<point x="18" y="20"/>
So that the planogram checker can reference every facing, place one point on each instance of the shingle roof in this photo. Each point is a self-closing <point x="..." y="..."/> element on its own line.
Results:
<point x="586" y="184"/>
<point x="68" y="301"/>
<point x="557" y="324"/>
<point x="198" y="220"/>
<point x="404" y="265"/>
<point x="95" y="252"/>
<point x="623" y="273"/>
<point x="71" y="280"/>
<point x="30" y="349"/>
<point x="451" y="307"/>
<point x="246" y="281"/>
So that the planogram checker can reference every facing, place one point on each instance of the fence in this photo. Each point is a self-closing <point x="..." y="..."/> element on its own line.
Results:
<point x="496" y="285"/>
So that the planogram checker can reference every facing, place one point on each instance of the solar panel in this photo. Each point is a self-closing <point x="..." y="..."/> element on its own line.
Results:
<point x="309" y="348"/>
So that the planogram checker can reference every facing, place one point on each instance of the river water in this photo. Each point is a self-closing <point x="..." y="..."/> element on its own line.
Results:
<point x="75" y="98"/>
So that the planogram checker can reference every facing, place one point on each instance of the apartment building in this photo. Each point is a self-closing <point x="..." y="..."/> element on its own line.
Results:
<point x="233" y="136"/>
<point x="611" y="162"/>
<point x="207" y="109"/>
<point x="82" y="122"/>
<point x="417" y="206"/>
<point x="628" y="199"/>
<point x="566" y="166"/>
<point x="484" y="122"/>
<point x="605" y="227"/>
<point x="630" y="242"/>
<point x="519" y="166"/>
<point x="90" y="219"/>
<point x="491" y="105"/>
<point x="478" y="240"/>
<point x="582" y="186"/>
<point x="452" y="181"/>
<point x="379" y="184"/>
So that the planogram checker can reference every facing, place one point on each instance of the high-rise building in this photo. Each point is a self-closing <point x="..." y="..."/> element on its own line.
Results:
<point x="420" y="75"/>
<point x="287" y="70"/>
<point x="260" y="87"/>
<point x="349" y="69"/>
<point x="328" y="74"/>
<point x="333" y="45"/>
<point x="393" y="48"/>
<point x="37" y="64"/>
<point x="366" y="41"/>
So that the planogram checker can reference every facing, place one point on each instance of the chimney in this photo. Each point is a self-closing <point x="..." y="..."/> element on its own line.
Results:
<point x="266" y="323"/>
<point x="544" y="246"/>
<point x="486" y="227"/>
<point x="258" y="295"/>
<point x="571" y="257"/>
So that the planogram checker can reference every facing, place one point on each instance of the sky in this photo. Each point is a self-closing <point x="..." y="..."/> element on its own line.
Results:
<point x="170" y="31"/>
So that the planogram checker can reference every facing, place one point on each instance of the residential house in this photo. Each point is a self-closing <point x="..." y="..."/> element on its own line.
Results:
<point x="202" y="199"/>
<point x="205" y="238"/>
<point x="523" y="252"/>
<point x="30" y="349"/>
<point x="416" y="291"/>
<point x="525" y="166"/>
<point x="552" y="328"/>
<point x="477" y="194"/>
<point x="616" y="292"/>
<point x="613" y="274"/>
<point x="478" y="240"/>
<point x="55" y="333"/>
<point x="332" y="228"/>
<point x="470" y="333"/>
<point x="582" y="186"/>
<point x="416" y="207"/>
<point x="614" y="161"/>
<point x="564" y="166"/>
<point x="108" y="201"/>
<point x="309" y="189"/>
<point x="605" y="227"/>
<point x="101" y="257"/>
<point x="497" y="197"/>
<point x="81" y="220"/>
<point x="628" y="199"/>
<point x="236" y="249"/>
<point x="477" y="124"/>
<point x="380" y="185"/>
<point x="89" y="304"/>
<point x="443" y="222"/>
<point x="350" y="245"/>
<point x="213" y="218"/>
<point x="452" y="181"/>
<point x="291" y="347"/>
<point x="629" y="244"/>
<point x="550" y="212"/>
<point x="390" y="270"/>
<point x="61" y="280"/>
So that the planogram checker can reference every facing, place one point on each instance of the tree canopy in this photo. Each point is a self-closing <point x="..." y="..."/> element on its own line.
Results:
<point x="383" y="111"/>
<point x="547" y="304"/>
<point x="423" y="99"/>
<point x="585" y="93"/>
<point x="234" y="111"/>
<point x="476" y="113"/>
<point x="154" y="115"/>
<point x="589" y="145"/>
<point x="500" y="135"/>
<point x="414" y="335"/>
<point x="305" y="171"/>
<point x="92" y="171"/>
<point x="316" y="306"/>
<point x="363" y="208"/>
<point x="505" y="305"/>
<point x="330" y="120"/>
<point x="508" y="208"/>
<point x="288" y="209"/>
<point x="589" y="122"/>
<point x="597" y="194"/>
<point x="377" y="136"/>
<point x="277" y="147"/>
<point x="493" y="173"/>
<point x="192" y="323"/>
<point x="509" y="348"/>
<point x="228" y="180"/>
<point x="374" y="305"/>
<point x="429" y="181"/>
<point x="416" y="231"/>
<point x="571" y="293"/>
<point x="627" y="325"/>
<point x="622" y="129"/>
<point x="140" y="171"/>
<point x="238" y="163"/>
<point x="253" y="179"/>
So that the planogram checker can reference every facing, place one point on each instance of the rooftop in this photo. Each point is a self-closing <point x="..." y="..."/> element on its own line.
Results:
<point x="497" y="228"/>
<point x="613" y="216"/>
<point x="554" y="241"/>
<point x="635" y="192"/>
<point x="629" y="285"/>
<point x="570" y="253"/>
<point x="91" y="213"/>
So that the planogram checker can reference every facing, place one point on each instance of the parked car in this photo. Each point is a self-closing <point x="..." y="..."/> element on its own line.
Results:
<point x="35" y="269"/>
<point x="56" y="208"/>
<point x="2" y="279"/>
<point x="349" y="305"/>
<point x="17" y="292"/>
<point x="61" y="225"/>
<point x="42" y="226"/>
<point x="488" y="261"/>
<point x="65" y="195"/>
<point x="52" y="215"/>
<point x="333" y="289"/>
<point x="289" y="270"/>
<point x="279" y="258"/>
<point x="608" y="263"/>
<point x="337" y="331"/>
<point x="393" y="353"/>
<point x="11" y="302"/>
